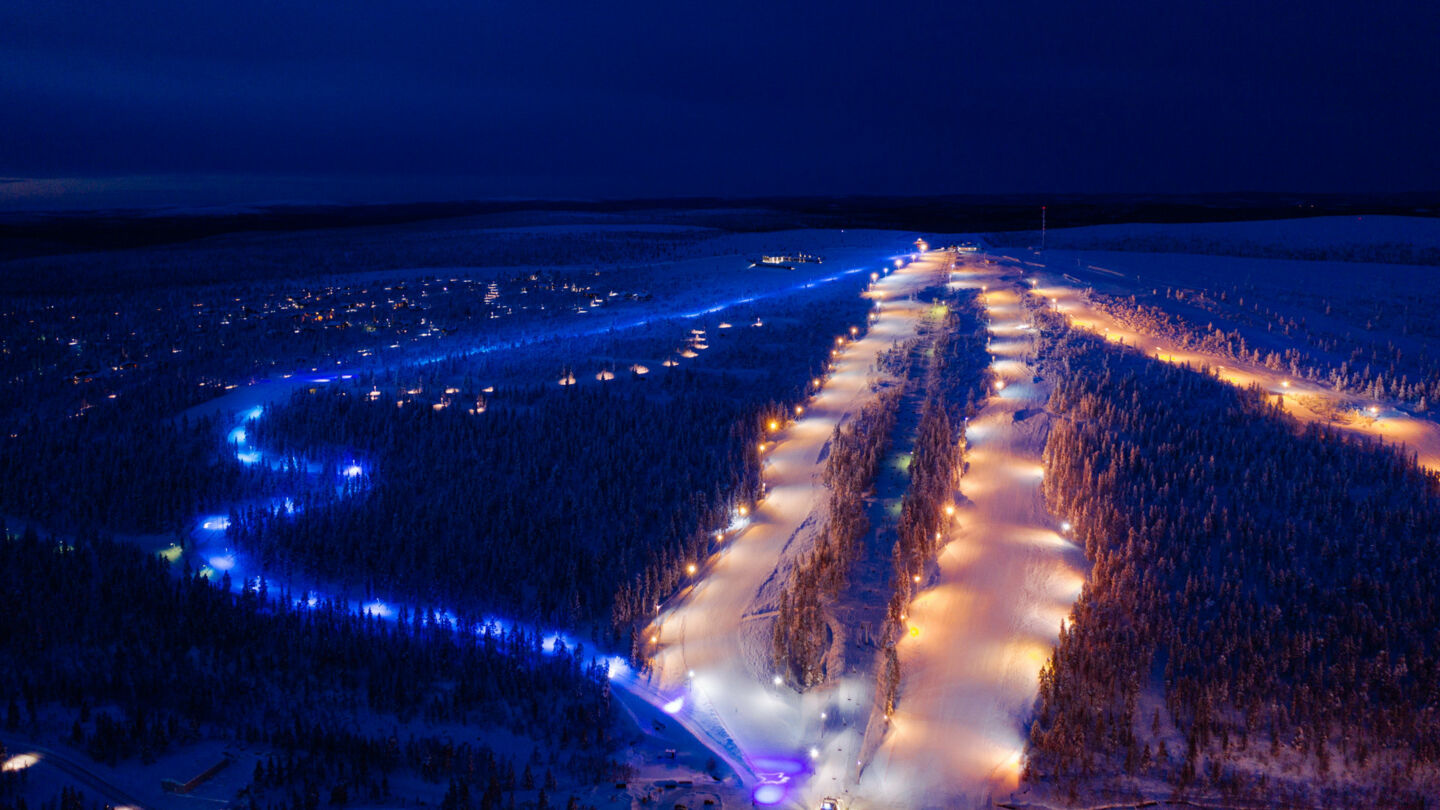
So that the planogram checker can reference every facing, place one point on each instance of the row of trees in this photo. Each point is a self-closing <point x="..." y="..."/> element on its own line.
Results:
<point x="1259" y="585"/>
<point x="949" y="357"/>
<point x="141" y="662"/>
<point x="799" y="636"/>
<point x="935" y="470"/>
<point x="957" y="383"/>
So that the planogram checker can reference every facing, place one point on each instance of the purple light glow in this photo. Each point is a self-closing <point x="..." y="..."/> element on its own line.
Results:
<point x="768" y="795"/>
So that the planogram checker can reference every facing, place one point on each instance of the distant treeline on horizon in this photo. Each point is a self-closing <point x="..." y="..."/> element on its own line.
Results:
<point x="41" y="233"/>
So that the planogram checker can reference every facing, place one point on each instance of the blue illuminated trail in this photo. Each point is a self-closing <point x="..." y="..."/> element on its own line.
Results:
<point x="210" y="534"/>
<point x="210" y="544"/>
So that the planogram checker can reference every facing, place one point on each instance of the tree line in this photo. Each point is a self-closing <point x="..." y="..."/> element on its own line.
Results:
<point x="799" y="635"/>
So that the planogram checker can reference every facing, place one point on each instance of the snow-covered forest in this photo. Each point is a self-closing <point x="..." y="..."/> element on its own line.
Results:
<point x="1258" y="620"/>
<point x="134" y="663"/>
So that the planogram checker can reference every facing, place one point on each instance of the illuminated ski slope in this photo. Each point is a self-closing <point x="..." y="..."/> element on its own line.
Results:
<point x="1007" y="578"/>
<point x="712" y="645"/>
<point x="1302" y="399"/>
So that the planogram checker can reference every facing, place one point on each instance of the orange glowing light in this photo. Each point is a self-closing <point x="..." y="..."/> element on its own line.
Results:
<point x="20" y="762"/>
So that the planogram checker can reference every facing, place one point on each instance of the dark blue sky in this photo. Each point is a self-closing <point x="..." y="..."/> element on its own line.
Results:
<point x="352" y="99"/>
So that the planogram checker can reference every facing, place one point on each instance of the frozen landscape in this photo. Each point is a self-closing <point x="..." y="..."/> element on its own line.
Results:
<point x="719" y="406"/>
<point x="929" y="703"/>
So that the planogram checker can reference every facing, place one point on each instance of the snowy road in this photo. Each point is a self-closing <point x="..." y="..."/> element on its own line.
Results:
<point x="1007" y="578"/>
<point x="720" y="629"/>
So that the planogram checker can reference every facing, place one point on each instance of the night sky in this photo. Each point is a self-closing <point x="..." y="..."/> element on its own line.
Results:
<point x="364" y="99"/>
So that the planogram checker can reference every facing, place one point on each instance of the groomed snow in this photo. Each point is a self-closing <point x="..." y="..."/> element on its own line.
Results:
<point x="1007" y="579"/>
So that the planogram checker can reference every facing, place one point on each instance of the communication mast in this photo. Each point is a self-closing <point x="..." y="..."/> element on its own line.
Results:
<point x="1042" y="227"/>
